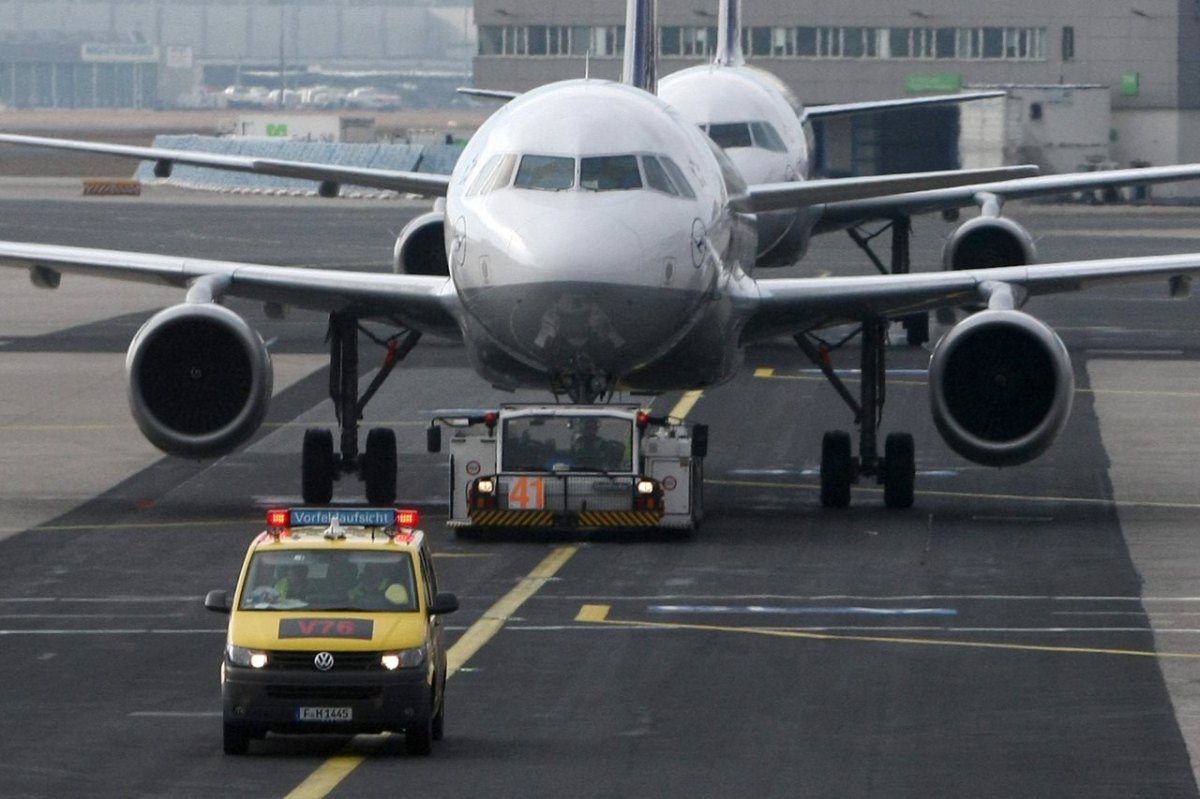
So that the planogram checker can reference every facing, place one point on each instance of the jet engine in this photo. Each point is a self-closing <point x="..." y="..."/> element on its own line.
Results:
<point x="988" y="241"/>
<point x="421" y="247"/>
<point x="199" y="380"/>
<point x="1001" y="387"/>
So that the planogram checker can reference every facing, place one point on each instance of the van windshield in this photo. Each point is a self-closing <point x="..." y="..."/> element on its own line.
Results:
<point x="345" y="580"/>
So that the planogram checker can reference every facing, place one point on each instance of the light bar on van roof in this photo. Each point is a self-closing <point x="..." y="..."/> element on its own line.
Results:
<point x="347" y="517"/>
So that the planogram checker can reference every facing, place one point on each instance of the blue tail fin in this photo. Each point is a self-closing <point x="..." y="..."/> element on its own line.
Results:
<point x="729" y="34"/>
<point x="641" y="58"/>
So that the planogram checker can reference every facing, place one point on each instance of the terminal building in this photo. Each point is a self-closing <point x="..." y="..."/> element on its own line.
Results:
<point x="164" y="53"/>
<point x="1116" y="80"/>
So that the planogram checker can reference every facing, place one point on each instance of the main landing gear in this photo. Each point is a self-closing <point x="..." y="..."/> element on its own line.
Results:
<point x="376" y="466"/>
<point x="916" y="325"/>
<point x="896" y="469"/>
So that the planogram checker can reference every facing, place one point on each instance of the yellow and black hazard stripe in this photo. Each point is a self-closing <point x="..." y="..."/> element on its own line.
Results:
<point x="619" y="518"/>
<point x="93" y="187"/>
<point x="512" y="518"/>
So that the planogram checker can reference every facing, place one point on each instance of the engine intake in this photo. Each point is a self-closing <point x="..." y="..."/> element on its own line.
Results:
<point x="1001" y="387"/>
<point x="199" y="380"/>
<point x="986" y="242"/>
<point x="421" y="247"/>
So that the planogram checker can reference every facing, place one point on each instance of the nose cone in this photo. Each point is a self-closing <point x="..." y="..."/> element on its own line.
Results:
<point x="600" y="251"/>
<point x="584" y="298"/>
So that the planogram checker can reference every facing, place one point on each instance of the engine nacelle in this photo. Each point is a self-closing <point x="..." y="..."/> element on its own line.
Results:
<point x="421" y="247"/>
<point x="199" y="380"/>
<point x="1001" y="387"/>
<point x="988" y="241"/>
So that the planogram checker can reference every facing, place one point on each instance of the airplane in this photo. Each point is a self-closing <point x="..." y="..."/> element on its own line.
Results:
<point x="767" y="133"/>
<point x="591" y="240"/>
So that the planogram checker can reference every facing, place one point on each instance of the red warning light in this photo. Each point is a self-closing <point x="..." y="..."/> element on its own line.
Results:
<point x="643" y="420"/>
<point x="407" y="518"/>
<point x="279" y="518"/>
<point x="490" y="418"/>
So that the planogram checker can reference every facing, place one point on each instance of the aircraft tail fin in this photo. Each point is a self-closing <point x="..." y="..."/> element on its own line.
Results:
<point x="641" y="58"/>
<point x="729" y="34"/>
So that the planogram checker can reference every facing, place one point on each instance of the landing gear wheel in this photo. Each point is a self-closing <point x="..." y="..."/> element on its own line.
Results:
<point x="899" y="470"/>
<point x="916" y="329"/>
<point x="837" y="469"/>
<point x="317" y="466"/>
<point x="418" y="738"/>
<point x="379" y="466"/>
<point x="236" y="739"/>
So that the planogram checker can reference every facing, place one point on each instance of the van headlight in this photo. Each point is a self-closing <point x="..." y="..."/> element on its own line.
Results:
<point x="241" y="656"/>
<point x="404" y="659"/>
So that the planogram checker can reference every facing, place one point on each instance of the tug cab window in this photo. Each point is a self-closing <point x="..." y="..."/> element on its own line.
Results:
<point x="546" y="172"/>
<point x="610" y="173"/>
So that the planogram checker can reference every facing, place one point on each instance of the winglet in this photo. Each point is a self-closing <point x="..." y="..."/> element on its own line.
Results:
<point x="729" y="34"/>
<point x="641" y="68"/>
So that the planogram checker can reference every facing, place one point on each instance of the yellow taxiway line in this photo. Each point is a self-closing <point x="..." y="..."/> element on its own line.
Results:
<point x="331" y="773"/>
<point x="598" y="614"/>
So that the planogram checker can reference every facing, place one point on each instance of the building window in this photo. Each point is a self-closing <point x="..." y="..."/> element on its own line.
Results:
<point x="970" y="43"/>
<point x="551" y="40"/>
<point x="688" y="41"/>
<point x="1068" y="44"/>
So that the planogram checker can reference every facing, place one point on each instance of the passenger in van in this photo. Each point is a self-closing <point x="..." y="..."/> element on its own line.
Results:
<point x="378" y="587"/>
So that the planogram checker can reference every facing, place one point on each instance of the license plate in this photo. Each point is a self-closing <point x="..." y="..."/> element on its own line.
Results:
<point x="324" y="714"/>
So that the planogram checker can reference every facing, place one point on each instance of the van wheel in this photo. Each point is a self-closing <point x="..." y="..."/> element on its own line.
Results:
<point x="439" y="722"/>
<point x="418" y="738"/>
<point x="236" y="739"/>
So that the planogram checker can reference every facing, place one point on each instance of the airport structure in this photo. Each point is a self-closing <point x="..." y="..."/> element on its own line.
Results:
<point x="156" y="53"/>
<point x="1144" y="55"/>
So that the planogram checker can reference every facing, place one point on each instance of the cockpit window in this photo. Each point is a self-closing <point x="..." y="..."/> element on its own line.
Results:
<point x="677" y="176"/>
<point x="548" y="172"/>
<point x="496" y="174"/>
<point x="767" y="137"/>
<point x="733" y="134"/>
<point x="610" y="173"/>
<point x="747" y="134"/>
<point x="657" y="177"/>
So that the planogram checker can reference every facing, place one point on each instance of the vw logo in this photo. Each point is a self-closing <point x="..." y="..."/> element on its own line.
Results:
<point x="323" y="661"/>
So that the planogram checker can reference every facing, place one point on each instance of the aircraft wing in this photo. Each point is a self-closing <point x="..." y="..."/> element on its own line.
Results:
<point x="429" y="185"/>
<point x="841" y="214"/>
<point x="795" y="194"/>
<point x="793" y="305"/>
<point x="488" y="94"/>
<point x="846" y="109"/>
<point x="426" y="303"/>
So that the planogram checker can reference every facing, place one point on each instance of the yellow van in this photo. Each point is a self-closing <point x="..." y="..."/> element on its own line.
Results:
<point x="335" y="627"/>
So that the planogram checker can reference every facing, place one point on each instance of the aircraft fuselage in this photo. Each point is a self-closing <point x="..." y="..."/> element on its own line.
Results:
<point x="591" y="242"/>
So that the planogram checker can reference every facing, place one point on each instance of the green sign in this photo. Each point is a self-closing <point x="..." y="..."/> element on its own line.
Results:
<point x="932" y="82"/>
<point x="277" y="129"/>
<point x="1131" y="83"/>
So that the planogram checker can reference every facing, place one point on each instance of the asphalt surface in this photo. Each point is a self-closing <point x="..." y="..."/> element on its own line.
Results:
<point x="1021" y="632"/>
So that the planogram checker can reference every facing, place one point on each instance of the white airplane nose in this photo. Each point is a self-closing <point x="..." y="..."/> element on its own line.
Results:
<point x="606" y="250"/>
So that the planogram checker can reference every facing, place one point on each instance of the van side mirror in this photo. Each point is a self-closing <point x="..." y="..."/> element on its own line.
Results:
<point x="699" y="441"/>
<point x="217" y="601"/>
<point x="443" y="603"/>
<point x="433" y="438"/>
